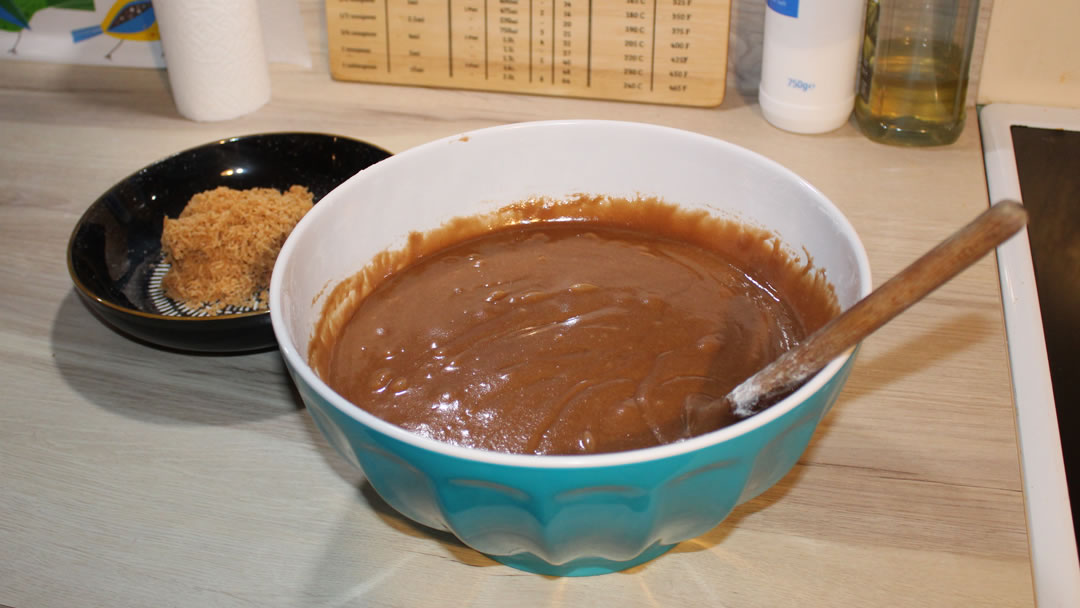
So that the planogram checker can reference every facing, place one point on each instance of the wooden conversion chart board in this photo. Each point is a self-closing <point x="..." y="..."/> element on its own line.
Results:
<point x="656" y="51"/>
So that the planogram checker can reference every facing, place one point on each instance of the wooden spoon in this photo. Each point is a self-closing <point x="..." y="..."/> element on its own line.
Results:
<point x="913" y="283"/>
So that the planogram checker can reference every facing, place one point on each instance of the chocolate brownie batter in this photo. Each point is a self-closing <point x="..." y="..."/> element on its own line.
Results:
<point x="572" y="337"/>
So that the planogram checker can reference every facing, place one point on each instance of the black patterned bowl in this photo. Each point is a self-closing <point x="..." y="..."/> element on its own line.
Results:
<point x="114" y="254"/>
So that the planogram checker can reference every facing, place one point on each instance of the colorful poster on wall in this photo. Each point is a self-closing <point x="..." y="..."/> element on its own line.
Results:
<point x="124" y="32"/>
<point x="101" y="32"/>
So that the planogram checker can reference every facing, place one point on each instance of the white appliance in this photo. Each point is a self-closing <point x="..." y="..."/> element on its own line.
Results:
<point x="1034" y="137"/>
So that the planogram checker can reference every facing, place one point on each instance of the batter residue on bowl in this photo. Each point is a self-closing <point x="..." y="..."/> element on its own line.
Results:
<point x="569" y="337"/>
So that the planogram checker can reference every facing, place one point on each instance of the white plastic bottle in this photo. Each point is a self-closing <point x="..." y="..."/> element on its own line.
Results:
<point x="808" y="63"/>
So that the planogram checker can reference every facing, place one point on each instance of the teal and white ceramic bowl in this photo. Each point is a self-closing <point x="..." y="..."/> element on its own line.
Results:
<point x="561" y="515"/>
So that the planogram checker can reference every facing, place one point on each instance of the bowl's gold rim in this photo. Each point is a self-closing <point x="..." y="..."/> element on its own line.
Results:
<point x="149" y="315"/>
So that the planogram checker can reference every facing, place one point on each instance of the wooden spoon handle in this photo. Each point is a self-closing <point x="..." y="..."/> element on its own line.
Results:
<point x="926" y="274"/>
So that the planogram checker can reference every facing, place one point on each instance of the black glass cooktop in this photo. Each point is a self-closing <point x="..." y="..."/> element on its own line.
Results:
<point x="1048" y="164"/>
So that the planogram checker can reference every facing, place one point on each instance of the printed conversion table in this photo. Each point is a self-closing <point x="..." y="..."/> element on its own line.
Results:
<point x="659" y="51"/>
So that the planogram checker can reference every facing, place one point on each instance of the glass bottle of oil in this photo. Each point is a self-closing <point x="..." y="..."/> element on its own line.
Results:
<point x="913" y="72"/>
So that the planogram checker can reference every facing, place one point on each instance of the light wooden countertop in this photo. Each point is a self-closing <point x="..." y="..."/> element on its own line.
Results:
<point x="131" y="476"/>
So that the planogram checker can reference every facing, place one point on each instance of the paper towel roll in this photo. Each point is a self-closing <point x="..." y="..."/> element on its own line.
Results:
<point x="214" y="56"/>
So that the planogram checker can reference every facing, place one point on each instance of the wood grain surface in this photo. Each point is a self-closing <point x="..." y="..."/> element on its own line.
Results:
<point x="131" y="476"/>
<point x="656" y="51"/>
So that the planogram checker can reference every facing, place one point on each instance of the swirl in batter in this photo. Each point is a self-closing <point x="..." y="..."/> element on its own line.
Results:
<point x="565" y="337"/>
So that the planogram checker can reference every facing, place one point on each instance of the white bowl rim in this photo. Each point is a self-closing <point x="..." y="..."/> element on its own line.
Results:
<point x="532" y="461"/>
